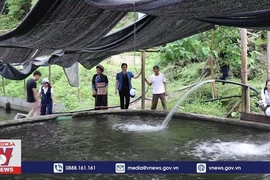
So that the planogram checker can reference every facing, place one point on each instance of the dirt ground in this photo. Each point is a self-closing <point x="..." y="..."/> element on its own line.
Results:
<point x="137" y="104"/>
<point x="123" y="58"/>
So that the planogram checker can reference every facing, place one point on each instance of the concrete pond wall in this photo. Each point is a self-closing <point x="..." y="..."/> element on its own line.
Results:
<point x="177" y="115"/>
<point x="21" y="104"/>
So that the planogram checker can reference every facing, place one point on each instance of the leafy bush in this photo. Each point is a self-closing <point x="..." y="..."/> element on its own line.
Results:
<point x="18" y="8"/>
<point x="190" y="73"/>
<point x="226" y="40"/>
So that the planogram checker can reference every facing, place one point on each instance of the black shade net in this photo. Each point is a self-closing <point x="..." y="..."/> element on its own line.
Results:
<point x="80" y="29"/>
<point x="10" y="72"/>
<point x="184" y="8"/>
<point x="62" y="24"/>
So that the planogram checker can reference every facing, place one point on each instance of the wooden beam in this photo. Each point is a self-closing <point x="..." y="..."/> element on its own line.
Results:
<point x="4" y="85"/>
<point x="143" y="79"/>
<point x="255" y="118"/>
<point x="245" y="91"/>
<point x="149" y="50"/>
<point x="268" y="54"/>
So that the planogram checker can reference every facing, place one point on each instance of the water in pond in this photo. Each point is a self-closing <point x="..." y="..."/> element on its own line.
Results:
<point x="111" y="138"/>
<point x="7" y="115"/>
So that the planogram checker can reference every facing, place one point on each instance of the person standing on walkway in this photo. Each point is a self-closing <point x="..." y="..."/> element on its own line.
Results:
<point x="47" y="97"/>
<point x="123" y="85"/>
<point x="264" y="103"/>
<point x="159" y="88"/>
<point x="100" y="88"/>
<point x="31" y="91"/>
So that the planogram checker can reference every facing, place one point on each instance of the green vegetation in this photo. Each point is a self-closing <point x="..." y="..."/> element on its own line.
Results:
<point x="188" y="59"/>
<point x="14" y="12"/>
<point x="183" y="62"/>
<point x="128" y="19"/>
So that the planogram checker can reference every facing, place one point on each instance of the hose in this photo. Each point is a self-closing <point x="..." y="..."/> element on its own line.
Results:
<point x="228" y="97"/>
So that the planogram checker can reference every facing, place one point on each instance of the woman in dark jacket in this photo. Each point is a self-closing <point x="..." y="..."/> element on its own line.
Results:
<point x="123" y="85"/>
<point x="100" y="88"/>
<point x="47" y="97"/>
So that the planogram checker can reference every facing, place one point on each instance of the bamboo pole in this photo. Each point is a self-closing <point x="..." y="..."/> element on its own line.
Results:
<point x="245" y="91"/>
<point x="268" y="54"/>
<point x="214" y="92"/>
<point x="143" y="79"/>
<point x="4" y="85"/>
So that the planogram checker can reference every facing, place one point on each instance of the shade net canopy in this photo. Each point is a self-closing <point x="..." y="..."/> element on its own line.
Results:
<point x="72" y="74"/>
<point x="66" y="32"/>
<point x="184" y="8"/>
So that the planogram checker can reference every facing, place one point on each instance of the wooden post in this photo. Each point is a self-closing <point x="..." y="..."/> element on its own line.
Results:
<point x="245" y="91"/>
<point x="79" y="87"/>
<point x="214" y="92"/>
<point x="143" y="79"/>
<point x="268" y="54"/>
<point x="50" y="74"/>
<point x="247" y="100"/>
<point x="24" y="87"/>
<point x="4" y="86"/>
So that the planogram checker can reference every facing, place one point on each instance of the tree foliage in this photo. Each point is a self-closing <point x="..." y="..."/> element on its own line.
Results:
<point x="19" y="8"/>
<point x="15" y="11"/>
<point x="225" y="39"/>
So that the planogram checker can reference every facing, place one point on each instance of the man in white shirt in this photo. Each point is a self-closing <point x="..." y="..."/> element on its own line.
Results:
<point x="159" y="88"/>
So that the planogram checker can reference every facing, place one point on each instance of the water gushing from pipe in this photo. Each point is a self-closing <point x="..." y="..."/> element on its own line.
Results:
<point x="169" y="116"/>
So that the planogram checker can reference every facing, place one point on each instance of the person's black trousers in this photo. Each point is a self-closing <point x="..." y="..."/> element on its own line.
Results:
<point x="46" y="108"/>
<point x="124" y="98"/>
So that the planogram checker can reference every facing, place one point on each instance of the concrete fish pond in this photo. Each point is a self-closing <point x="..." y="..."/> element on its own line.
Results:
<point x="124" y="135"/>
<point x="8" y="114"/>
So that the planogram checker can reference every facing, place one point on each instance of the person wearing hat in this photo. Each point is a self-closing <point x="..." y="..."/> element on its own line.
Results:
<point x="47" y="97"/>
<point x="124" y="87"/>
<point x="100" y="88"/>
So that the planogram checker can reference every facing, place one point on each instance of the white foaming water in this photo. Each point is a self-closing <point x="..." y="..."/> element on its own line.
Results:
<point x="229" y="150"/>
<point x="181" y="100"/>
<point x="138" y="128"/>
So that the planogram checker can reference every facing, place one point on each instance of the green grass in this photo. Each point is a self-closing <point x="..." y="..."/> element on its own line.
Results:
<point x="67" y="95"/>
